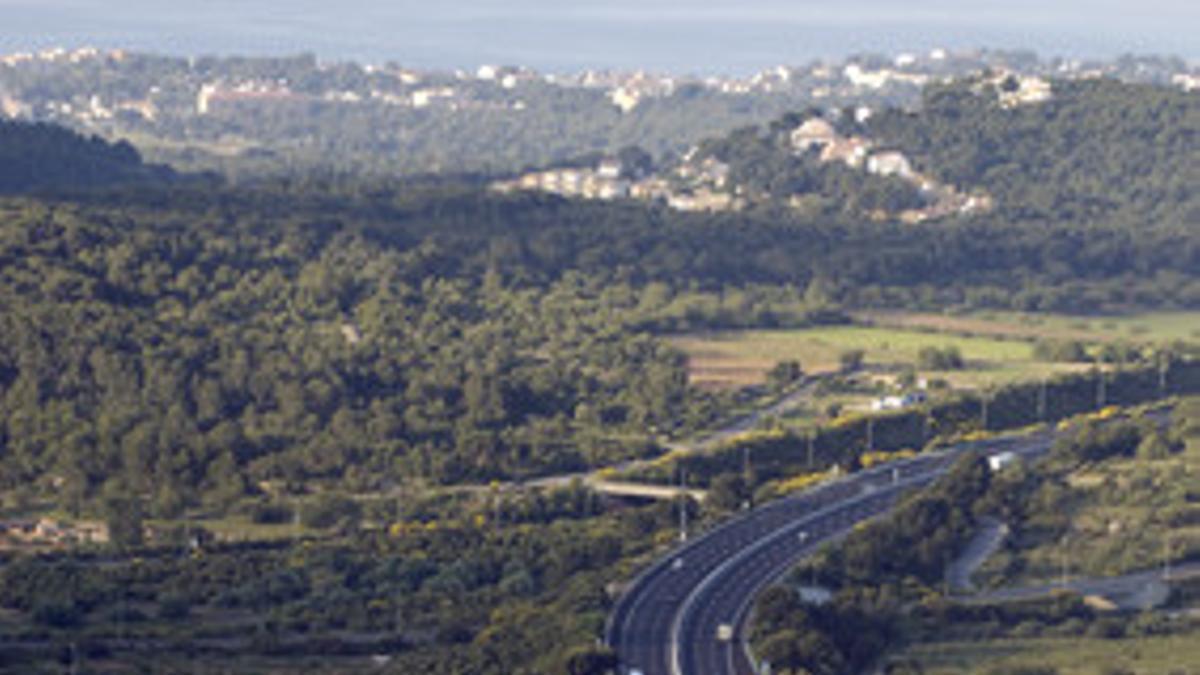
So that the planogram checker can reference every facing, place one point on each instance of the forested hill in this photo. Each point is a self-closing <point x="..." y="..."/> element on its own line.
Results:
<point x="191" y="344"/>
<point x="49" y="158"/>
<point x="190" y="341"/>
<point x="1018" y="151"/>
<point x="1098" y="151"/>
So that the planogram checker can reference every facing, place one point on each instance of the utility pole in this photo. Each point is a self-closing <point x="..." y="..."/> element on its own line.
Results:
<point x="870" y="434"/>
<point x="683" y="500"/>
<point x="812" y="440"/>
<point x="746" y="462"/>
<point x="1041" y="401"/>
<point x="1164" y="363"/>
<point x="1167" y="558"/>
<point x="945" y="574"/>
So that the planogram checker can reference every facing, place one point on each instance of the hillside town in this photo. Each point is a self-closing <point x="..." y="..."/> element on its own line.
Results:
<point x="201" y="113"/>
<point x="394" y="85"/>
<point x="702" y="183"/>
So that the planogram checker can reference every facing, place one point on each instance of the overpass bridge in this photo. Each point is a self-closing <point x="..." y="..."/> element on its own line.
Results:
<point x="643" y="490"/>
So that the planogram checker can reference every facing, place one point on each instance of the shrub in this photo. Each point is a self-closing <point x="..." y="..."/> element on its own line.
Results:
<point x="57" y="613"/>
<point x="851" y="359"/>
<point x="1106" y="629"/>
<point x="266" y="513"/>
<point x="1064" y="351"/>
<point x="784" y="373"/>
<point x="1023" y="670"/>
<point x="1028" y="629"/>
<point x="328" y="510"/>
<point x="933" y="358"/>
<point x="173" y="607"/>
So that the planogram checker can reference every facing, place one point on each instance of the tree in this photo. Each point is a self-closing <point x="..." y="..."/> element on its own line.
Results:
<point x="1064" y="351"/>
<point x="124" y="516"/>
<point x="327" y="510"/>
<point x="1155" y="445"/>
<point x="933" y="358"/>
<point x="728" y="492"/>
<point x="784" y="373"/>
<point x="782" y="650"/>
<point x="819" y="293"/>
<point x="591" y="661"/>
<point x="851" y="359"/>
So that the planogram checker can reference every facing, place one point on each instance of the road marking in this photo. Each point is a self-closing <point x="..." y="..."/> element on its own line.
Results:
<point x="677" y="624"/>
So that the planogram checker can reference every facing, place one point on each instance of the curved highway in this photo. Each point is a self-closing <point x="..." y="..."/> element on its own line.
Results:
<point x="667" y="621"/>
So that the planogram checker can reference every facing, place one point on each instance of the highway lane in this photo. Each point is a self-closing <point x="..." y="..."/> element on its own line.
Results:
<point x="728" y="596"/>
<point x="666" y="622"/>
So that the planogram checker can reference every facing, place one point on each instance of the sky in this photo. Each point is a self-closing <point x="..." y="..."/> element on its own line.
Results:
<point x="673" y="35"/>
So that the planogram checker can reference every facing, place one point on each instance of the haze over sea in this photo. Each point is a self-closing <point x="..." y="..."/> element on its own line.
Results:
<point x="561" y="35"/>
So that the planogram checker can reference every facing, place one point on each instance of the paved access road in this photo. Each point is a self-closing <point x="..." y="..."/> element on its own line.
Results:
<point x="667" y="622"/>
<point x="1130" y="591"/>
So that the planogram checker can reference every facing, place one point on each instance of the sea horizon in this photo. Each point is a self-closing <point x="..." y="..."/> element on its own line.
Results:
<point x="618" y="37"/>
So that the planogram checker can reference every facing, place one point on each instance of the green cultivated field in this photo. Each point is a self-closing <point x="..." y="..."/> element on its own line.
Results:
<point x="740" y="358"/>
<point x="997" y="345"/>
<point x="1178" y="653"/>
<point x="1157" y="327"/>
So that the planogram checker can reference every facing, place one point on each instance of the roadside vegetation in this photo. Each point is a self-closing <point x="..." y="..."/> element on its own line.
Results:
<point x="889" y="602"/>
<point x="1112" y="515"/>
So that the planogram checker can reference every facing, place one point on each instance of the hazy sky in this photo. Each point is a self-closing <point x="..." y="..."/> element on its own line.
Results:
<point x="565" y="34"/>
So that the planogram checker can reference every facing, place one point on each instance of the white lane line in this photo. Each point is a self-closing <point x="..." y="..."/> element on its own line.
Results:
<point x="676" y="625"/>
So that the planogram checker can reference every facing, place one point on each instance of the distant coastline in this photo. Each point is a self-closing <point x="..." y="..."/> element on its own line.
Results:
<point x="678" y="43"/>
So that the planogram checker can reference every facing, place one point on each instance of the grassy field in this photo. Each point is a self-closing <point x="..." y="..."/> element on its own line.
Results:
<point x="1157" y="327"/>
<point x="1179" y="653"/>
<point x="742" y="358"/>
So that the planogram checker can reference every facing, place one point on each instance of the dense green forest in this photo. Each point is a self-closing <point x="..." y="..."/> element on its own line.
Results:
<point x="196" y="340"/>
<point x="1098" y="152"/>
<point x="48" y="157"/>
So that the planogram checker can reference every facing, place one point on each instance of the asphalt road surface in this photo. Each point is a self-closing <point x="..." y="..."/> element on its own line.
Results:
<point x="1127" y="590"/>
<point x="667" y="621"/>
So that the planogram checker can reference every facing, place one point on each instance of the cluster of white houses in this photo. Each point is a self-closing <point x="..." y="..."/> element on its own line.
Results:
<point x="819" y="135"/>
<point x="50" y="533"/>
<point x="694" y="185"/>
<point x="703" y="183"/>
